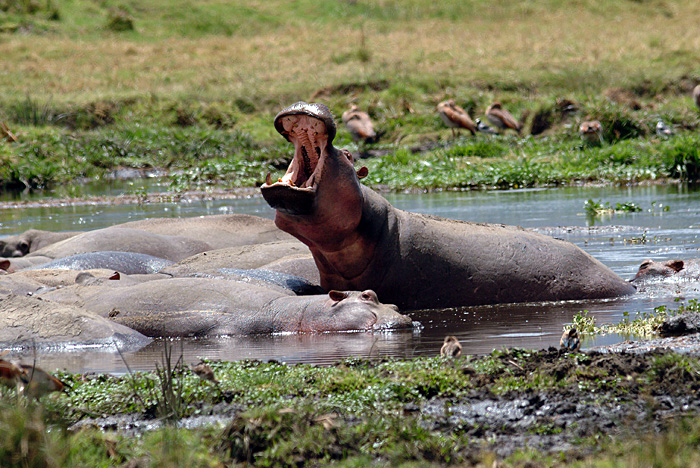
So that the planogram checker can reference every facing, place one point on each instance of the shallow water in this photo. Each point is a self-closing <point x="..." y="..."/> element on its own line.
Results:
<point x="621" y="241"/>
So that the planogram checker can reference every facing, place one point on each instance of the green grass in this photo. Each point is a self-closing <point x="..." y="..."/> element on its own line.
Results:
<point x="184" y="90"/>
<point x="356" y="413"/>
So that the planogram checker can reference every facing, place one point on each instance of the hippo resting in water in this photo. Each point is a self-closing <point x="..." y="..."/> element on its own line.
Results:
<point x="205" y="307"/>
<point x="669" y="276"/>
<point x="30" y="241"/>
<point x="359" y="241"/>
<point x="677" y="269"/>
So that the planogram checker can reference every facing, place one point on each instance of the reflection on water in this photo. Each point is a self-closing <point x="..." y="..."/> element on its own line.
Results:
<point x="651" y="233"/>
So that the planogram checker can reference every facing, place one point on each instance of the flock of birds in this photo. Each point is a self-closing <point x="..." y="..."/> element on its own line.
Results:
<point x="361" y="127"/>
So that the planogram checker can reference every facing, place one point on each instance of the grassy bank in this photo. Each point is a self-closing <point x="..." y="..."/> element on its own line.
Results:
<point x="89" y="86"/>
<point x="539" y="409"/>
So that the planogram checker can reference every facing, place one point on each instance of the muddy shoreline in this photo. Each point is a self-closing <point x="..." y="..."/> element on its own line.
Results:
<point x="549" y="401"/>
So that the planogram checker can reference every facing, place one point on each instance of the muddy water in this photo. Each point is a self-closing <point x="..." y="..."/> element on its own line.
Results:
<point x="621" y="241"/>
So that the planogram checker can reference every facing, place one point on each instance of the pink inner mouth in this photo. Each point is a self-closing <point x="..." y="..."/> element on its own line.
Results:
<point x="310" y="138"/>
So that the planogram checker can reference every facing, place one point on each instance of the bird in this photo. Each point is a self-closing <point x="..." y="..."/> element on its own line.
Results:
<point x="455" y="117"/>
<point x="204" y="372"/>
<point x="6" y="133"/>
<point x="359" y="125"/>
<point x="37" y="382"/>
<point x="570" y="340"/>
<point x="663" y="130"/>
<point x="11" y="374"/>
<point x="451" y="348"/>
<point x="28" y="379"/>
<point x="696" y="95"/>
<point x="483" y="128"/>
<point x="591" y="131"/>
<point x="501" y="118"/>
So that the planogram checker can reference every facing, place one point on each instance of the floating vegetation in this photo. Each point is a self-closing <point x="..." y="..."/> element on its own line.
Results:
<point x="643" y="324"/>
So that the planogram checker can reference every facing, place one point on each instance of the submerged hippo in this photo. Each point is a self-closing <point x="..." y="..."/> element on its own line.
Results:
<point x="677" y="269"/>
<point x="359" y="241"/>
<point x="206" y="306"/>
<point x="30" y="241"/>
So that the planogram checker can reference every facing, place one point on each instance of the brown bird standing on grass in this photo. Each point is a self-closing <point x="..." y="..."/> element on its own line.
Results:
<point x="501" y="118"/>
<point x="455" y="117"/>
<point x="591" y="131"/>
<point x="451" y="348"/>
<point x="696" y="96"/>
<point x="359" y="125"/>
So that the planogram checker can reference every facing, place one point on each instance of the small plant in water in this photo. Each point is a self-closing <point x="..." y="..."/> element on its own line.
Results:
<point x="597" y="208"/>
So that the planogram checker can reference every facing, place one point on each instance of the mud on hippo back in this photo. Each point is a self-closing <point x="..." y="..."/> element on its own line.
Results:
<point x="359" y="241"/>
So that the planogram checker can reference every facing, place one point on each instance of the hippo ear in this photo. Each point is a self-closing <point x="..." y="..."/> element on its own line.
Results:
<point x="4" y="264"/>
<point x="675" y="265"/>
<point x="337" y="296"/>
<point x="362" y="172"/>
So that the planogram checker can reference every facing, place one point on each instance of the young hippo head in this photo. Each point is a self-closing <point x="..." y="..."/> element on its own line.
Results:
<point x="320" y="186"/>
<point x="338" y="311"/>
<point x="650" y="269"/>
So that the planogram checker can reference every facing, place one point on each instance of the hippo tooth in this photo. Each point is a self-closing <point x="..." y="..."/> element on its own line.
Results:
<point x="268" y="179"/>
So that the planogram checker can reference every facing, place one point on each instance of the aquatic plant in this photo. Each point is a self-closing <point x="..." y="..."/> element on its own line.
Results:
<point x="644" y="323"/>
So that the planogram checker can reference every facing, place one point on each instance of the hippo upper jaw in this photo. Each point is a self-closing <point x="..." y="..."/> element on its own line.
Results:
<point x="311" y="129"/>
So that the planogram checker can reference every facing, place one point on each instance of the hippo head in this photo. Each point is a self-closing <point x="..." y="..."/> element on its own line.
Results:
<point x="352" y="311"/>
<point x="13" y="247"/>
<point x="317" y="166"/>
<point x="650" y="269"/>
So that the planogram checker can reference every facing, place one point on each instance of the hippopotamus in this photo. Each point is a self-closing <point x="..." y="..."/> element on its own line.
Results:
<point x="223" y="307"/>
<point x="677" y="269"/>
<point x="359" y="241"/>
<point x="30" y="241"/>
<point x="668" y="277"/>
<point x="173" y="248"/>
<point x="130" y="263"/>
<point x="32" y="322"/>
<point x="218" y="231"/>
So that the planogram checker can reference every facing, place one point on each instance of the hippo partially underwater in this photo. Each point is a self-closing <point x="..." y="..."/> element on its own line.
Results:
<point x="359" y="241"/>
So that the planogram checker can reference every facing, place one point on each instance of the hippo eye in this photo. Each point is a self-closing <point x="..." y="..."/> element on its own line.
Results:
<point x="23" y="247"/>
<point x="368" y="296"/>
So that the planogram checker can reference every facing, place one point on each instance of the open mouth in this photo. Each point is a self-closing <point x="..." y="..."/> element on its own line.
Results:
<point x="309" y="136"/>
<point x="306" y="126"/>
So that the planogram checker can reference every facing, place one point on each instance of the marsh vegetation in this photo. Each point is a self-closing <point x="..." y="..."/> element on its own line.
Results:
<point x="90" y="86"/>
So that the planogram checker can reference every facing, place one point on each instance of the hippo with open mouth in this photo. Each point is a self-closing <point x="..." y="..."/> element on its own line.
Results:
<point x="359" y="241"/>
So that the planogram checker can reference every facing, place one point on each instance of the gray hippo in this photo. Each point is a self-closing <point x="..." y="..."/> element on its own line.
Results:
<point x="30" y="241"/>
<point x="174" y="248"/>
<point x="130" y="263"/>
<point x="32" y="322"/>
<point x="206" y="307"/>
<point x="359" y="241"/>
<point x="218" y="231"/>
